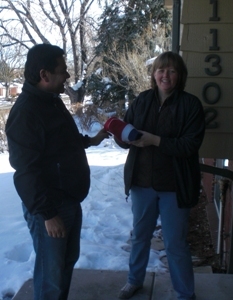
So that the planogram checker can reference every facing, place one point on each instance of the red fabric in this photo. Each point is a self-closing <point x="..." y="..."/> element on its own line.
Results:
<point x="115" y="126"/>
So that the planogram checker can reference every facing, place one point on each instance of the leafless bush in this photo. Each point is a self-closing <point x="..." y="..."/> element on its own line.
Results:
<point x="132" y="64"/>
<point x="115" y="109"/>
<point x="135" y="65"/>
<point x="88" y="115"/>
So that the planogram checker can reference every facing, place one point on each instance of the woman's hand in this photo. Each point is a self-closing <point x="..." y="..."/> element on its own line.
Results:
<point x="147" y="139"/>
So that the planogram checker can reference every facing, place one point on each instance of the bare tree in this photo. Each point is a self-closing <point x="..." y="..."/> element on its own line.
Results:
<point x="61" y="22"/>
<point x="11" y="60"/>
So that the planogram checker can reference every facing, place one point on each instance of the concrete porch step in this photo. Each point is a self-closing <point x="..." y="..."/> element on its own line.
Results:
<point x="105" y="285"/>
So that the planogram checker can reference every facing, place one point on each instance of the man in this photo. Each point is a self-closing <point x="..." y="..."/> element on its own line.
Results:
<point x="52" y="174"/>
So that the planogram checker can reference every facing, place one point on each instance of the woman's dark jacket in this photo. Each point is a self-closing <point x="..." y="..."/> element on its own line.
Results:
<point x="47" y="152"/>
<point x="188" y="118"/>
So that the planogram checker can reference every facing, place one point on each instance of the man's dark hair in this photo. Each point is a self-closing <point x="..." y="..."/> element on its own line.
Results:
<point x="41" y="56"/>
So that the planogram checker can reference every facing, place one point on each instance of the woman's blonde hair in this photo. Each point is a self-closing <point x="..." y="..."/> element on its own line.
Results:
<point x="170" y="59"/>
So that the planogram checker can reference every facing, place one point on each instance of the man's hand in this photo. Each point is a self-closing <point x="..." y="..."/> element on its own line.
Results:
<point x="55" y="227"/>
<point x="101" y="135"/>
<point x="147" y="139"/>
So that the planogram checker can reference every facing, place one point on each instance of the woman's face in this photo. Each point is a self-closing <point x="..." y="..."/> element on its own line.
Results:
<point x="166" y="79"/>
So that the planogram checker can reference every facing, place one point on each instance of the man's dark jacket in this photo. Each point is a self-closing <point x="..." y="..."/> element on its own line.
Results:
<point x="188" y="118"/>
<point x="47" y="152"/>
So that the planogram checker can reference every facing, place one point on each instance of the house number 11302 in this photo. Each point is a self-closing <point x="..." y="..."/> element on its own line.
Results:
<point x="214" y="70"/>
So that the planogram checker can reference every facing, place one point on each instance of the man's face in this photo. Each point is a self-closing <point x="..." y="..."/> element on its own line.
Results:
<point x="57" y="79"/>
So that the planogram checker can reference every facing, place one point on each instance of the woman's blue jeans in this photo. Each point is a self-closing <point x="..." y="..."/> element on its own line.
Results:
<point x="146" y="205"/>
<point x="55" y="257"/>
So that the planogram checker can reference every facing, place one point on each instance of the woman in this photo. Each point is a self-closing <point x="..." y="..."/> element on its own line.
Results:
<point x="162" y="172"/>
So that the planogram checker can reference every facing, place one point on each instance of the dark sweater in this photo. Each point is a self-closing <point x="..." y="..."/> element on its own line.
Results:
<point x="152" y="167"/>
<point x="47" y="152"/>
<point x="180" y="146"/>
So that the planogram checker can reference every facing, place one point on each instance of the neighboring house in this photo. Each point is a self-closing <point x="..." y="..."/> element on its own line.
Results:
<point x="14" y="90"/>
<point x="2" y="90"/>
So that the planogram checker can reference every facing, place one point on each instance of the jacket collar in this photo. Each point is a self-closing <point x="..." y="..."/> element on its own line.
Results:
<point x="171" y="98"/>
<point x="44" y="96"/>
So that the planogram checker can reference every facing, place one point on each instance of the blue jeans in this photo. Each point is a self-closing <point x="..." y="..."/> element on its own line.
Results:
<point x="55" y="257"/>
<point x="146" y="205"/>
